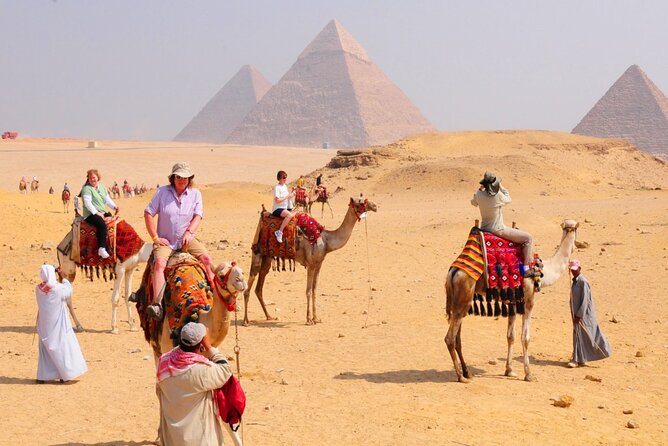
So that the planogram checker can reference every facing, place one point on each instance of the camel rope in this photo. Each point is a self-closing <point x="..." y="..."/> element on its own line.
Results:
<point x="237" y="350"/>
<point x="368" y="270"/>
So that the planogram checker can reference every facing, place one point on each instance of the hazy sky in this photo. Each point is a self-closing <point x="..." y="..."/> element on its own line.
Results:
<point x="135" y="69"/>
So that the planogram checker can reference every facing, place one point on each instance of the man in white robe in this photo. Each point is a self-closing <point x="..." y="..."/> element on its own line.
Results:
<point x="589" y="343"/>
<point x="60" y="356"/>
<point x="187" y="376"/>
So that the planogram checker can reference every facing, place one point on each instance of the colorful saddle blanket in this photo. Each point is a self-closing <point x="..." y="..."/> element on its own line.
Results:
<point x="504" y="262"/>
<point x="122" y="242"/>
<point x="187" y="292"/>
<point x="267" y="243"/>
<point x="300" y="195"/>
<point x="309" y="227"/>
<point x="471" y="260"/>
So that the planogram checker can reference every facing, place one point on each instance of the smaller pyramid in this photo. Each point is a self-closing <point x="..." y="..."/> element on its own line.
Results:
<point x="633" y="109"/>
<point x="228" y="108"/>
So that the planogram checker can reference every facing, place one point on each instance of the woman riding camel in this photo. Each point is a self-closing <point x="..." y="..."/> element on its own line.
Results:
<point x="282" y="205"/>
<point x="180" y="211"/>
<point x="95" y="200"/>
<point x="490" y="198"/>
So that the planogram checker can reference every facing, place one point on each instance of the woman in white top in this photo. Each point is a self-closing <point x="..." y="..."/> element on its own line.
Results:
<point x="490" y="198"/>
<point x="282" y="203"/>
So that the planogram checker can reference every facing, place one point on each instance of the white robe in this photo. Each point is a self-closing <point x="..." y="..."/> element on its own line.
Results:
<point x="60" y="356"/>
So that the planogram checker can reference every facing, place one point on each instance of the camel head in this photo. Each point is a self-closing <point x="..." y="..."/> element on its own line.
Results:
<point x="361" y="205"/>
<point x="569" y="226"/>
<point x="68" y="269"/>
<point x="232" y="277"/>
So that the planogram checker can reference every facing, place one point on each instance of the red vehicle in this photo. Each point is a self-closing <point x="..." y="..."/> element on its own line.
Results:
<point x="9" y="135"/>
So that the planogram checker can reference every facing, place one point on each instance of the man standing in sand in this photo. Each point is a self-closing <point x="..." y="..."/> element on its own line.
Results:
<point x="589" y="344"/>
<point x="490" y="198"/>
<point x="186" y="377"/>
<point x="60" y="356"/>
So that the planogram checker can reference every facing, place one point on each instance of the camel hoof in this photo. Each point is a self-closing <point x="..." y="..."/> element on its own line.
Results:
<point x="317" y="321"/>
<point x="511" y="374"/>
<point x="114" y="331"/>
<point x="530" y="379"/>
<point x="79" y="329"/>
<point x="245" y="324"/>
<point x="310" y="322"/>
<point x="133" y="328"/>
<point x="464" y="380"/>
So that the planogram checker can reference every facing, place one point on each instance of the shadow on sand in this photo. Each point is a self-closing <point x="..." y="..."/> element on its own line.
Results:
<point x="27" y="329"/>
<point x="407" y="376"/>
<point x="108" y="443"/>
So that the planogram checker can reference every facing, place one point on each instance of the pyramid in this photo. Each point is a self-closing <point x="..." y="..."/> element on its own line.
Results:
<point x="332" y="94"/>
<point x="227" y="108"/>
<point x="633" y="109"/>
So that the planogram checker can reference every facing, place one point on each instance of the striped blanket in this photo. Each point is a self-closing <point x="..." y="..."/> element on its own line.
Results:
<point x="471" y="260"/>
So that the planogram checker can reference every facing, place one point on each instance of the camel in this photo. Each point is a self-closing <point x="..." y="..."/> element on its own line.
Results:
<point x="324" y="199"/>
<point x="122" y="271"/>
<point x="217" y="320"/>
<point x="115" y="191"/>
<point x="34" y="186"/>
<point x="302" y="200"/>
<point x="65" y="196"/>
<point x="23" y="186"/>
<point x="311" y="257"/>
<point x="460" y="287"/>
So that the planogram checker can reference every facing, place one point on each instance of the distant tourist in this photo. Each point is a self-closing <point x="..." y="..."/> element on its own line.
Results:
<point x="187" y="375"/>
<point x="179" y="209"/>
<point x="300" y="181"/>
<point x="490" y="197"/>
<point x="282" y="203"/>
<point x="60" y="356"/>
<point x="51" y="191"/>
<point x="95" y="201"/>
<point x="66" y="188"/>
<point x="589" y="343"/>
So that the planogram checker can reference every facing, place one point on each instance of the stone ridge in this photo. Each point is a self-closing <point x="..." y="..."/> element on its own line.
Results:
<point x="227" y="108"/>
<point x="633" y="109"/>
<point x="333" y="93"/>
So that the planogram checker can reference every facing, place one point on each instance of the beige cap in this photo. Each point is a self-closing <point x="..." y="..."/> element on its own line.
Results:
<point x="182" y="169"/>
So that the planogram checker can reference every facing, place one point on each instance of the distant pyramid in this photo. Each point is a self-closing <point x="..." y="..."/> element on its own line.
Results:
<point x="633" y="109"/>
<point x="333" y="93"/>
<point x="227" y="109"/>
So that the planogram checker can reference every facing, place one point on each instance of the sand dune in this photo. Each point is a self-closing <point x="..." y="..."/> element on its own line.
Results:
<point x="376" y="371"/>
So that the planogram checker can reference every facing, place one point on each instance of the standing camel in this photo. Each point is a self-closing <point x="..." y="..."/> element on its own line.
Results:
<point x="311" y="257"/>
<point x="459" y="290"/>
<point x="122" y="270"/>
<point x="217" y="320"/>
<point x="323" y="198"/>
<point x="34" y="185"/>
<point x="23" y="186"/>
<point x="65" y="196"/>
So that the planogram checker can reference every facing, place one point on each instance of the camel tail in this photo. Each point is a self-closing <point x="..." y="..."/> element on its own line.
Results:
<point x="449" y="291"/>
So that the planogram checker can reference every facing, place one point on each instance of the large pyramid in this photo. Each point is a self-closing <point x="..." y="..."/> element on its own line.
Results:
<point x="227" y="109"/>
<point x="633" y="109"/>
<point x="335" y="94"/>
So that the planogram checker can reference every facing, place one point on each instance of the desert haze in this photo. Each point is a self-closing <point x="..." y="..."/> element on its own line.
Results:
<point x="376" y="371"/>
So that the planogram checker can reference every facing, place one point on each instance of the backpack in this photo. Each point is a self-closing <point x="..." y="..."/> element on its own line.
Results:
<point x="231" y="402"/>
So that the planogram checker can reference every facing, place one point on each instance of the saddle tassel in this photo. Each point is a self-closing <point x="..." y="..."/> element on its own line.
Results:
<point x="476" y="310"/>
<point x="482" y="306"/>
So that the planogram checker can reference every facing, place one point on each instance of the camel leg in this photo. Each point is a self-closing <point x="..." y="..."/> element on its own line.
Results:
<point x="330" y="208"/>
<point x="247" y="292"/>
<point x="264" y="270"/>
<point x="451" y="342"/>
<point x="77" y="325"/>
<point x="115" y="296"/>
<point x="310" y="274"/>
<point x="526" y="329"/>
<point x="128" y="290"/>
<point x="458" y="348"/>
<point x="314" y="286"/>
<point x="510" y="336"/>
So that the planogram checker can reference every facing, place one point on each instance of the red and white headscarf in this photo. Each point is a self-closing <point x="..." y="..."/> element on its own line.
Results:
<point x="48" y="275"/>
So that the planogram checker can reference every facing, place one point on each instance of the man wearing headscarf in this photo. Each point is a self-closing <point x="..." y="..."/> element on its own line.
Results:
<point x="187" y="375"/>
<point x="589" y="344"/>
<point x="60" y="356"/>
<point x="490" y="198"/>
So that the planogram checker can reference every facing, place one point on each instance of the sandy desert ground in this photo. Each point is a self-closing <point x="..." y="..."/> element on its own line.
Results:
<point x="376" y="370"/>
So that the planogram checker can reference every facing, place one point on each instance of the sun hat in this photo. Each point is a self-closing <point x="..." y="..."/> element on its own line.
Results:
<point x="192" y="333"/>
<point x="574" y="264"/>
<point x="491" y="182"/>
<point x="182" y="169"/>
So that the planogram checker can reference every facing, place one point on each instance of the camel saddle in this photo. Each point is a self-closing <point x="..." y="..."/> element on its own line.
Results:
<point x="187" y="293"/>
<point x="81" y="245"/>
<point x="300" y="195"/>
<point x="265" y="242"/>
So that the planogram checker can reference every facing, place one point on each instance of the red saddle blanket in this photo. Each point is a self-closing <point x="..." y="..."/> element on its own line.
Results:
<point x="309" y="227"/>
<point x="122" y="242"/>
<point x="503" y="262"/>
<point x="300" y="195"/>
